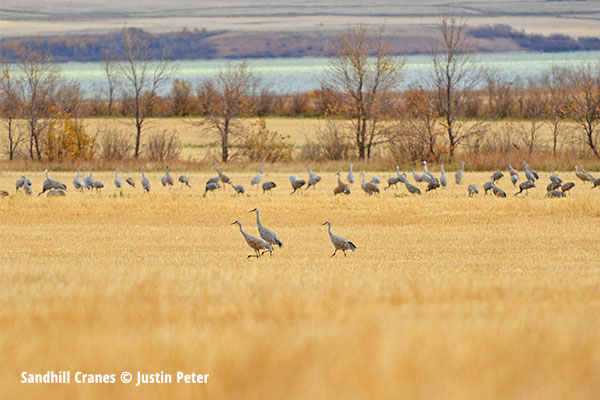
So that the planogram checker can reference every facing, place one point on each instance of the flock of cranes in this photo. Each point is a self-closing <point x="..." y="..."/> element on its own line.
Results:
<point x="431" y="182"/>
<point x="267" y="238"/>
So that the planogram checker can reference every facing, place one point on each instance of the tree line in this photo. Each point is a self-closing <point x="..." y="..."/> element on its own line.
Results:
<point x="450" y="108"/>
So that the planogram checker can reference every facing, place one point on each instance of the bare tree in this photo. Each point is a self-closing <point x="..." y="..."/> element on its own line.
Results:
<point x="454" y="80"/>
<point x="10" y="108"/>
<point x="422" y="122"/>
<point x="112" y="79"/>
<point x="534" y="102"/>
<point x="224" y="98"/>
<point x="582" y="86"/>
<point x="144" y="73"/>
<point x="38" y="78"/>
<point x="556" y="103"/>
<point x="499" y="91"/>
<point x="362" y="78"/>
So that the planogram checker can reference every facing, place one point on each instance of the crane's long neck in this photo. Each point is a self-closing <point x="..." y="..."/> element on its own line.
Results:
<point x="363" y="176"/>
<point x="310" y="170"/>
<point x="261" y="169"/>
<point x="329" y="229"/>
<point x="350" y="168"/>
<point x="339" y="180"/>
<point x="257" y="218"/>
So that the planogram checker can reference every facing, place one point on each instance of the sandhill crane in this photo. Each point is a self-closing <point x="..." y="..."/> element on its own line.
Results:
<point x="145" y="182"/>
<point x="443" y="179"/>
<point x="167" y="179"/>
<point x="394" y="180"/>
<point x="551" y="186"/>
<point x="184" y="179"/>
<point x="257" y="244"/>
<point x="555" y="193"/>
<point x="266" y="234"/>
<point x="535" y="174"/>
<point x="375" y="179"/>
<point x="98" y="186"/>
<point x="341" y="188"/>
<point x="496" y="176"/>
<point x="596" y="182"/>
<point x="27" y="187"/>
<point x="514" y="179"/>
<point x="257" y="178"/>
<point x="567" y="186"/>
<point x="583" y="176"/>
<point x="56" y="193"/>
<point x="498" y="192"/>
<point x="350" y="176"/>
<point x="472" y="189"/>
<point x="432" y="185"/>
<point x="215" y="179"/>
<point x="528" y="174"/>
<point x="487" y="187"/>
<point x="88" y="181"/>
<point x="339" y="242"/>
<point x="267" y="186"/>
<point x="432" y="178"/>
<point x="118" y="181"/>
<point x="368" y="187"/>
<point x="77" y="182"/>
<point x="22" y="182"/>
<point x="417" y="177"/>
<point x="590" y="177"/>
<point x="525" y="186"/>
<point x="458" y="176"/>
<point x="554" y="178"/>
<point x="224" y="178"/>
<point x="211" y="187"/>
<point x="296" y="183"/>
<point x="130" y="181"/>
<point x="3" y="193"/>
<point x="239" y="189"/>
<point x="513" y="172"/>
<point x="51" y="184"/>
<point x="313" y="179"/>
<point x="412" y="189"/>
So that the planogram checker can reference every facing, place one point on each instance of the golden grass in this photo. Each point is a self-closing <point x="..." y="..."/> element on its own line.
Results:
<point x="445" y="296"/>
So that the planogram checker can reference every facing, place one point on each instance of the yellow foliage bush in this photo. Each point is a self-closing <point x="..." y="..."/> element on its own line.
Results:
<point x="262" y="144"/>
<point x="65" y="138"/>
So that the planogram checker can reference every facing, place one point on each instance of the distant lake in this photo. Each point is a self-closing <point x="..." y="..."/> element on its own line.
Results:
<point x="293" y="75"/>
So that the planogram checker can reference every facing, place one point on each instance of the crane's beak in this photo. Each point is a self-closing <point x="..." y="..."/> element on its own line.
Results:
<point x="252" y="210"/>
<point x="324" y="223"/>
<point x="235" y="222"/>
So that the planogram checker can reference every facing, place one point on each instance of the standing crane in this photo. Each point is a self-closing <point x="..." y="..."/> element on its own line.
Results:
<point x="22" y="182"/>
<point x="350" y="176"/>
<point x="339" y="242"/>
<point x="145" y="182"/>
<point x="50" y="184"/>
<point x="368" y="187"/>
<point x="77" y="182"/>
<point x="88" y="180"/>
<point x="417" y="177"/>
<point x="341" y="188"/>
<point x="257" y="244"/>
<point x="167" y="179"/>
<point x="496" y="176"/>
<point x="211" y="187"/>
<point x="257" y="178"/>
<point x="443" y="179"/>
<point x="458" y="176"/>
<point x="266" y="234"/>
<point x="412" y="189"/>
<point x="565" y="187"/>
<point x="313" y="179"/>
<point x="118" y="181"/>
<point x="224" y="178"/>
<point x="528" y="174"/>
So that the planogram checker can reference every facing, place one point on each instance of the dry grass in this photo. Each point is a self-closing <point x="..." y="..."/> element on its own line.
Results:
<point x="445" y="297"/>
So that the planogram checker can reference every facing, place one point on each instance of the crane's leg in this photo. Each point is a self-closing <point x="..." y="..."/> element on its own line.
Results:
<point x="334" y="252"/>
<point x="344" y="253"/>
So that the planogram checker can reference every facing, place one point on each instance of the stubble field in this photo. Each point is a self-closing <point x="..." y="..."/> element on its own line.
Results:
<point x="445" y="296"/>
